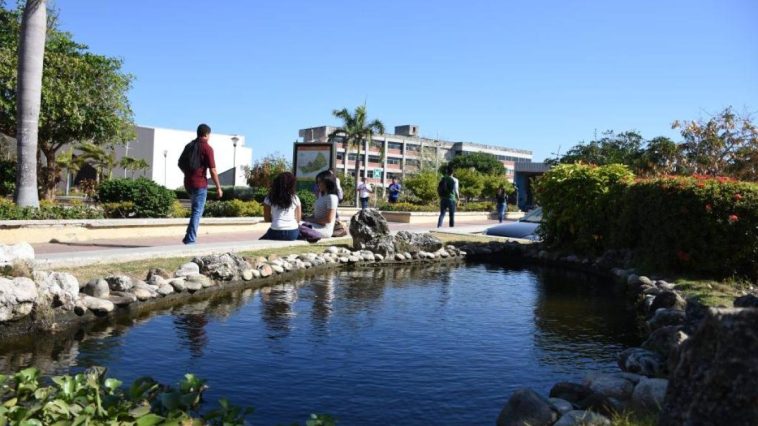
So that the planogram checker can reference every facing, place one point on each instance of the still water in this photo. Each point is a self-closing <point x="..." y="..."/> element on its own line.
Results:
<point x="407" y="345"/>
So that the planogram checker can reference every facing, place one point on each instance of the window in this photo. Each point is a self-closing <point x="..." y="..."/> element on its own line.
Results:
<point x="394" y="145"/>
<point x="377" y="144"/>
<point x="352" y="157"/>
<point x="413" y="147"/>
<point x="373" y="158"/>
<point x="340" y="155"/>
<point x="394" y="161"/>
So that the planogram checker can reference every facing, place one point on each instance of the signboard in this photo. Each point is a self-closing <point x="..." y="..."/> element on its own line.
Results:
<point x="378" y="173"/>
<point x="310" y="159"/>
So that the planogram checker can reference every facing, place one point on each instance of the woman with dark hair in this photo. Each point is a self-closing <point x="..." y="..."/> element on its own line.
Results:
<point x="282" y="208"/>
<point x="325" y="207"/>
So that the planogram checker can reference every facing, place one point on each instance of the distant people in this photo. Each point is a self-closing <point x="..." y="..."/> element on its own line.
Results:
<point x="393" y="191"/>
<point x="325" y="207"/>
<point x="195" y="160"/>
<point x="500" y="197"/>
<point x="282" y="208"/>
<point x="364" y="192"/>
<point x="447" y="189"/>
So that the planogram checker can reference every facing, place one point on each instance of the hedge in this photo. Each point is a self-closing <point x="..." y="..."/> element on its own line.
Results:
<point x="233" y="208"/>
<point x="147" y="197"/>
<point x="47" y="210"/>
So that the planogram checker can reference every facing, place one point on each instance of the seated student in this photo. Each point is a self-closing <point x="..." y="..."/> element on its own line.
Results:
<point x="325" y="207"/>
<point x="282" y="208"/>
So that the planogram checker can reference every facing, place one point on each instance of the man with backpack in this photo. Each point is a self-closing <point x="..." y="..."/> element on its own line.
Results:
<point x="196" y="159"/>
<point x="447" y="189"/>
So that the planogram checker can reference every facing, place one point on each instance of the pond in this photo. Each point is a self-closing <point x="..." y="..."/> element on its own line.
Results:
<point x="405" y="345"/>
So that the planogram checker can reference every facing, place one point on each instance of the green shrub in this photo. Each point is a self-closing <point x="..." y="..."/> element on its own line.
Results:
<point x="478" y="206"/>
<point x="408" y="207"/>
<point x="47" y="210"/>
<point x="423" y="185"/>
<point x="149" y="198"/>
<point x="233" y="208"/>
<point x="119" y="210"/>
<point x="7" y="177"/>
<point x="178" y="210"/>
<point x="307" y="200"/>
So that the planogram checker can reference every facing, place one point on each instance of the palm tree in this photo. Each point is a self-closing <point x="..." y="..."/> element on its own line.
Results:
<point x="103" y="159"/>
<point x="133" y="164"/>
<point x="355" y="131"/>
<point x="29" y="94"/>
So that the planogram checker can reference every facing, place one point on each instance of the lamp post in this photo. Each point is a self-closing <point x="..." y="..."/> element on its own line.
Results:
<point x="165" y="155"/>
<point x="235" y="139"/>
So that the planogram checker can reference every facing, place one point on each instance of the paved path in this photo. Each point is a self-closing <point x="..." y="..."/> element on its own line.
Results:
<point x="64" y="253"/>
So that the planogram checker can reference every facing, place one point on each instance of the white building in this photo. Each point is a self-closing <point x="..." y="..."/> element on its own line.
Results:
<point x="161" y="149"/>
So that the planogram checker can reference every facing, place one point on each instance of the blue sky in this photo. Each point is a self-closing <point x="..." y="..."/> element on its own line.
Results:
<point x="539" y="75"/>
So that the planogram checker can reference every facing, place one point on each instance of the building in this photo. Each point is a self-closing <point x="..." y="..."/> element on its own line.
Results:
<point x="405" y="152"/>
<point x="161" y="149"/>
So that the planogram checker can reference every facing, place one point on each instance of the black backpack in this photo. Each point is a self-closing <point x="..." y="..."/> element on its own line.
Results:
<point x="190" y="158"/>
<point x="444" y="188"/>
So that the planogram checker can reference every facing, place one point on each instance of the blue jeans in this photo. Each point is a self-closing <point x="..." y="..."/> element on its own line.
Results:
<point x="281" y="234"/>
<point x="198" y="196"/>
<point x="446" y="204"/>
<point x="364" y="203"/>
<point x="500" y="211"/>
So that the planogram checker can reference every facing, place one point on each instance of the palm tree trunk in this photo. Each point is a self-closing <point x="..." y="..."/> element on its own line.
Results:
<point x="28" y="97"/>
<point x="358" y="172"/>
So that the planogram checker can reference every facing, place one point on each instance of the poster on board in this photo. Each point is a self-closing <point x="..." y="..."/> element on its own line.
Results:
<point x="310" y="159"/>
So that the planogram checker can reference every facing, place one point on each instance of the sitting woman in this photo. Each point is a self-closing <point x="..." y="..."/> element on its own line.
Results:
<point x="325" y="207"/>
<point x="282" y="208"/>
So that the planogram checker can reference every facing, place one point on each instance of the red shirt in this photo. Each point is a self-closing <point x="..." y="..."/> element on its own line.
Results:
<point x="198" y="178"/>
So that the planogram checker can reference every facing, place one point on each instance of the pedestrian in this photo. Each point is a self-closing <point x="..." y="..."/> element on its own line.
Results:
<point x="325" y="207"/>
<point x="393" y="191"/>
<point x="500" y="199"/>
<point x="447" y="189"/>
<point x="282" y="209"/>
<point x="198" y="159"/>
<point x="364" y="192"/>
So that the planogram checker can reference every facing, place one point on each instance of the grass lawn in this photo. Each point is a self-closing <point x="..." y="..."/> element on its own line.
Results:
<point x="712" y="293"/>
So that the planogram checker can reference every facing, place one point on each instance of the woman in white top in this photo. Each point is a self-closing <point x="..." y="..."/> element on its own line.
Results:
<point x="282" y="208"/>
<point x="325" y="207"/>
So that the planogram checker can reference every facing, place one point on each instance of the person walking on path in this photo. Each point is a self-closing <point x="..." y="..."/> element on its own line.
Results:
<point x="196" y="159"/>
<point x="447" y="189"/>
<point x="282" y="209"/>
<point x="500" y="200"/>
<point x="364" y="192"/>
<point x="394" y="191"/>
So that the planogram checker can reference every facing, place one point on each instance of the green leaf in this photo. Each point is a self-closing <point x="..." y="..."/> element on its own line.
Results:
<point x="112" y="384"/>
<point x="149" y="420"/>
<point x="140" y="411"/>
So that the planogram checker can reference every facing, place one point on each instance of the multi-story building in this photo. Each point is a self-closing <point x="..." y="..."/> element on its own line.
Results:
<point x="405" y="152"/>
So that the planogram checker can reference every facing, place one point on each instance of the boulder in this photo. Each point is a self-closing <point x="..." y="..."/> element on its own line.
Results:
<point x="179" y="284"/>
<point x="612" y="386"/>
<point x="15" y="253"/>
<point x="165" y="289"/>
<point x="695" y="313"/>
<point x="561" y="405"/>
<point x="59" y="288"/>
<point x="668" y="299"/>
<point x="189" y="268"/>
<point x="17" y="298"/>
<point x="648" y="395"/>
<point x="571" y="392"/>
<point x="664" y="317"/>
<point x="664" y="340"/>
<point x="277" y="268"/>
<point x="160" y="272"/>
<point x="222" y="267"/>
<point x="642" y="361"/>
<point x="526" y="407"/>
<point x="248" y="274"/>
<point x="119" y="282"/>
<point x="582" y="418"/>
<point x="746" y="301"/>
<point x="193" y="286"/>
<point x="716" y="379"/>
<point x="367" y="226"/>
<point x="97" y="287"/>
<point x="157" y="280"/>
<point x="120" y="298"/>
<point x="198" y="278"/>
<point x="142" y="293"/>
<point x="415" y="242"/>
<point x="97" y="305"/>
<point x="384" y="245"/>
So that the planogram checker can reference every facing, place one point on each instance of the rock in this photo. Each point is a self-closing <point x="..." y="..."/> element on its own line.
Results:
<point x="97" y="305"/>
<point x="399" y="256"/>
<point x="632" y="280"/>
<point x="189" y="268"/>
<point x="354" y="258"/>
<point x="368" y="257"/>
<point x="668" y="299"/>
<point x="665" y="285"/>
<point x="178" y="284"/>
<point x="664" y="340"/>
<point x="571" y="392"/>
<point x="600" y="403"/>
<point x="119" y="282"/>
<point x="648" y="395"/>
<point x="716" y="379"/>
<point x="59" y="288"/>
<point x="611" y="386"/>
<point x="526" y="407"/>
<point x="247" y="274"/>
<point x="344" y="259"/>
<point x="193" y="286"/>
<point x="666" y="317"/>
<point x="265" y="270"/>
<point x="157" y="280"/>
<point x="165" y="289"/>
<point x="646" y="281"/>
<point x="378" y="257"/>
<point x="14" y="253"/>
<point x="159" y="272"/>
<point x="647" y="302"/>
<point x="141" y="293"/>
<point x="414" y="242"/>
<point x="561" y="405"/>
<point x="367" y="227"/>
<point x="746" y="301"/>
<point x="276" y="262"/>
<point x="97" y="287"/>
<point x="199" y="278"/>
<point x="582" y="418"/>
<point x="695" y="313"/>
<point x="332" y="250"/>
<point x="642" y="361"/>
<point x="307" y="264"/>
<point x="120" y="298"/>
<point x="17" y="298"/>
<point x="222" y="267"/>
<point x="652" y="291"/>
<point x="278" y="269"/>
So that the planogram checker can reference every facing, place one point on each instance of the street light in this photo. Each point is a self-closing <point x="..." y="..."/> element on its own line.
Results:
<point x="235" y="139"/>
<point x="165" y="154"/>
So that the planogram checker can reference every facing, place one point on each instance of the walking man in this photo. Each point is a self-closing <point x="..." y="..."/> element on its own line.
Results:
<point x="195" y="160"/>
<point x="394" y="191"/>
<point x="447" y="189"/>
<point x="364" y="192"/>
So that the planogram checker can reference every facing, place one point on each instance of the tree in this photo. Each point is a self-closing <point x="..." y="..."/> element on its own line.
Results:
<point x="28" y="94"/>
<point x="102" y="158"/>
<point x="263" y="172"/>
<point x="660" y="156"/>
<point x="612" y="148"/>
<point x="355" y="131"/>
<point x="493" y="182"/>
<point x="481" y="161"/>
<point x="423" y="185"/>
<point x="470" y="183"/>
<point x="83" y="98"/>
<point x="133" y="164"/>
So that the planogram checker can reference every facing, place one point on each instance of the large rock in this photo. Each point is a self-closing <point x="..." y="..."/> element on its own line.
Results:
<point x="695" y="313"/>
<point x="716" y="379"/>
<point x="746" y="301"/>
<point x="665" y="340"/>
<point x="60" y="289"/>
<point x="611" y="386"/>
<point x="527" y="407"/>
<point x="97" y="305"/>
<point x="366" y="226"/>
<point x="668" y="299"/>
<point x="384" y="245"/>
<point x="189" y="268"/>
<point x="582" y="418"/>
<point x="664" y="317"/>
<point x="120" y="298"/>
<point x="160" y="272"/>
<point x="97" y="287"/>
<point x="14" y="253"/>
<point x="649" y="394"/>
<point x="222" y="267"/>
<point x="17" y="297"/>
<point x="642" y="361"/>
<point x="119" y="282"/>
<point x="571" y="392"/>
<point x="412" y="242"/>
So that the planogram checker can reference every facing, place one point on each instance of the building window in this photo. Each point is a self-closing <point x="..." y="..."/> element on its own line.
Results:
<point x="394" y="161"/>
<point x="352" y="157"/>
<point x="340" y="155"/>
<point x="373" y="158"/>
<point x="413" y="147"/>
<point x="377" y="145"/>
<point x="394" y="145"/>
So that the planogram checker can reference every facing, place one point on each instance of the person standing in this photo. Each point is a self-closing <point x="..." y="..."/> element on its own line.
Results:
<point x="394" y="191"/>
<point x="196" y="180"/>
<point x="282" y="208"/>
<point x="500" y="200"/>
<point x="364" y="192"/>
<point x="447" y="189"/>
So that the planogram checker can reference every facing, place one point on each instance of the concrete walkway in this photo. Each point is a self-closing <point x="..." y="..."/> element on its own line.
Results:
<point x="70" y="254"/>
